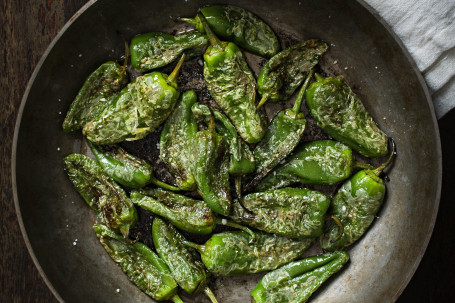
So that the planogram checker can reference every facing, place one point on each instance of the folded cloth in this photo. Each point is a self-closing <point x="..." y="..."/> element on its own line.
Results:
<point x="427" y="29"/>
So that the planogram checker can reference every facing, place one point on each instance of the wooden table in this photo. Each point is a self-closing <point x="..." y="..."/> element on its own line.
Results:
<point x="27" y="28"/>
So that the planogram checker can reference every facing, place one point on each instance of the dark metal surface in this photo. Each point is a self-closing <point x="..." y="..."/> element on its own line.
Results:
<point x="58" y="226"/>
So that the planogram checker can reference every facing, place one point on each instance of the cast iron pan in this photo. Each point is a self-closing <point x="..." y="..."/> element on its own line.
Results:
<point x="57" y="224"/>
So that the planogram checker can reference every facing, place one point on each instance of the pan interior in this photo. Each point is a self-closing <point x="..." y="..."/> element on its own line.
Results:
<point x="58" y="224"/>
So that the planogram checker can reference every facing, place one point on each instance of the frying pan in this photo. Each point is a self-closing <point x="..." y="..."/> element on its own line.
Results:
<point x="57" y="224"/>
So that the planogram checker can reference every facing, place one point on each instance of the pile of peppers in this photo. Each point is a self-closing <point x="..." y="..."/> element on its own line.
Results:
<point x="239" y="180"/>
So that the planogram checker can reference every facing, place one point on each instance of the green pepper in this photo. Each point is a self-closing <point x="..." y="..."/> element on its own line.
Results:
<point x="125" y="168"/>
<point x="240" y="26"/>
<point x="153" y="50"/>
<point x="289" y="212"/>
<point x="184" y="262"/>
<point x="233" y="253"/>
<point x="297" y="281"/>
<point x="241" y="158"/>
<point x="102" y="194"/>
<point x="190" y="215"/>
<point x="341" y="114"/>
<point x="355" y="205"/>
<point x="176" y="141"/>
<point x="285" y="72"/>
<point x="324" y="162"/>
<point x="232" y="85"/>
<point x="210" y="169"/>
<point x="282" y="136"/>
<point x="142" y="266"/>
<point x="95" y="94"/>
<point x="139" y="108"/>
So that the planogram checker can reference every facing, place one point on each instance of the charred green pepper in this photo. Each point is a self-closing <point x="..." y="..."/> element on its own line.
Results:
<point x="297" y="281"/>
<point x="285" y="72"/>
<point x="355" y="205"/>
<point x="95" y="94"/>
<point x="153" y="50"/>
<point x="190" y="215"/>
<point x="142" y="266"/>
<point x="233" y="253"/>
<point x="281" y="137"/>
<point x="232" y="85"/>
<point x="241" y="158"/>
<point x="210" y="169"/>
<point x="176" y="141"/>
<point x="184" y="262"/>
<point x="289" y="212"/>
<point x="138" y="109"/>
<point x="240" y="26"/>
<point x="102" y="194"/>
<point x="125" y="168"/>
<point x="324" y="162"/>
<point x="341" y="114"/>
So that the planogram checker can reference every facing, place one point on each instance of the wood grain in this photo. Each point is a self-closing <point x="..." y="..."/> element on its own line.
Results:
<point x="27" y="28"/>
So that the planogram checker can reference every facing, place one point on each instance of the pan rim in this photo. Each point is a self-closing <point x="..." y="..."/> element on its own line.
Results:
<point x="365" y="5"/>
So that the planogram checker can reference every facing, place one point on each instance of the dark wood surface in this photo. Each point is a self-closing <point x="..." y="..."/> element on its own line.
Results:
<point x="26" y="30"/>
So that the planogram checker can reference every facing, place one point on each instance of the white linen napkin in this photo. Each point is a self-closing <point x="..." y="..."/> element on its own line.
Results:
<point x="427" y="29"/>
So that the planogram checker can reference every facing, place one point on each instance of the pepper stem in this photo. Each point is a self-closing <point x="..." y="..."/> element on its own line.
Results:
<point x="175" y="73"/>
<point x="362" y="165"/>
<point x="298" y="101"/>
<point x="238" y="187"/>
<point x="176" y="299"/>
<point x="210" y="294"/>
<point x="212" y="37"/>
<point x="163" y="185"/>
<point x="393" y="153"/>
<point x="191" y="21"/>
<point x="341" y="228"/>
<point x="236" y="225"/>
<point x="127" y="55"/>
<point x="319" y="77"/>
<point x="198" y="247"/>
<point x="264" y="99"/>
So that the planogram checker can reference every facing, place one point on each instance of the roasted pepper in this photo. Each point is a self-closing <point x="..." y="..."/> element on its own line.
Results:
<point x="184" y="262"/>
<point x="210" y="169"/>
<point x="233" y="253"/>
<point x="153" y="50"/>
<point x="341" y="114"/>
<point x="297" y="281"/>
<point x="102" y="194"/>
<point x="289" y="212"/>
<point x="97" y="92"/>
<point x="176" y="141"/>
<point x="281" y="137"/>
<point x="125" y="168"/>
<point x="285" y="72"/>
<point x="142" y="266"/>
<point x="355" y="205"/>
<point x="241" y="158"/>
<point x="190" y="215"/>
<point x="139" y="108"/>
<point x="232" y="85"/>
<point x="324" y="162"/>
<point x="240" y="26"/>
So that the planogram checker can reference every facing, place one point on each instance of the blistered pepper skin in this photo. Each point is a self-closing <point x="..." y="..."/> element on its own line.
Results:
<point x="324" y="162"/>
<point x="142" y="266"/>
<point x="139" y="109"/>
<point x="176" y="141"/>
<point x="154" y="50"/>
<point x="289" y="212"/>
<point x="280" y="77"/>
<point x="102" y="194"/>
<point x="233" y="253"/>
<point x="297" y="281"/>
<point x="187" y="214"/>
<point x="342" y="115"/>
<point x="95" y="94"/>
<point x="241" y="27"/>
